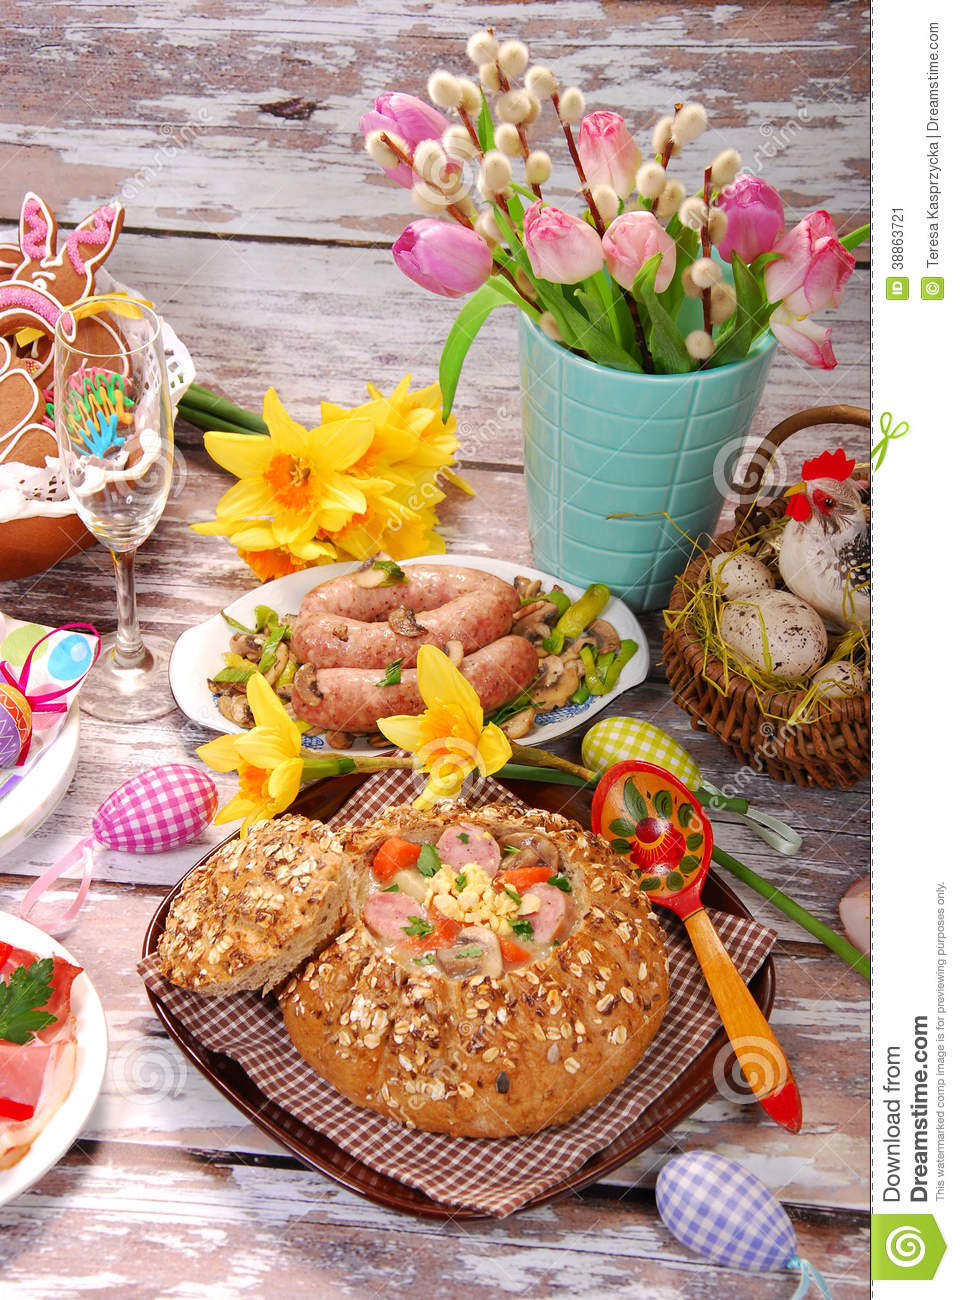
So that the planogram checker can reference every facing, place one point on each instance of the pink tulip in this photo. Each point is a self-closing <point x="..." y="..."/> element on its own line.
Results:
<point x="754" y="213"/>
<point x="813" y="268"/>
<point x="562" y="249"/>
<point x="608" y="151"/>
<point x="631" y="240"/>
<point x="444" y="258"/>
<point x="804" y="338"/>
<point x="409" y="118"/>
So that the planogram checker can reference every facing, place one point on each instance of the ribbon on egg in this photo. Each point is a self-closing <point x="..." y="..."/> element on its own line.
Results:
<point x="18" y="703"/>
<point x="719" y="1210"/>
<point x="614" y="739"/>
<point x="163" y="808"/>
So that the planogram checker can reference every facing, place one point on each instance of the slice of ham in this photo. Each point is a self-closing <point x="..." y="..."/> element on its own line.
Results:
<point x="552" y="914"/>
<point x="16" y="1137"/>
<point x="59" y="1002"/>
<point x="478" y="846"/>
<point x="386" y="915"/>
<point x="36" y="1077"/>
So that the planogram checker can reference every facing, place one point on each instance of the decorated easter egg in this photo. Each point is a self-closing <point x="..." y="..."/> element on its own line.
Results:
<point x="163" y="808"/>
<point x="16" y="724"/>
<point x="614" y="739"/>
<point x="722" y="1211"/>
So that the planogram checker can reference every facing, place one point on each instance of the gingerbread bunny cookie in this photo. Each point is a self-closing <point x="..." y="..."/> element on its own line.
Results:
<point x="44" y="280"/>
<point x="24" y="437"/>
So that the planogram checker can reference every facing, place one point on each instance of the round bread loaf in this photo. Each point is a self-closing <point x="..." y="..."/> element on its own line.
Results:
<point x="477" y="1034"/>
<point x="256" y="909"/>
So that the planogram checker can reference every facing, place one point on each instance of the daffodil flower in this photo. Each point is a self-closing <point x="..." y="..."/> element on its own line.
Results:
<point x="448" y="741"/>
<point x="267" y="759"/>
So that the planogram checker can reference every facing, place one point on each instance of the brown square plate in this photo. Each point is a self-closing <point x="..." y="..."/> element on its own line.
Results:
<point x="689" y="1090"/>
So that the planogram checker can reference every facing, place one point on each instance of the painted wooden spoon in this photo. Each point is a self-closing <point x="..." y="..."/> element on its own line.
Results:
<point x="644" y="811"/>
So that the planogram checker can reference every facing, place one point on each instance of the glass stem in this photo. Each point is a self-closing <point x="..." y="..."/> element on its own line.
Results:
<point x="129" y="651"/>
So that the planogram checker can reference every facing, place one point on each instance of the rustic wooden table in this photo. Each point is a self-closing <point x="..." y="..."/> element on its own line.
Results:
<point x="254" y="221"/>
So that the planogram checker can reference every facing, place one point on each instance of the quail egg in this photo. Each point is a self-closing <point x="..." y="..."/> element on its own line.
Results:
<point x="775" y="631"/>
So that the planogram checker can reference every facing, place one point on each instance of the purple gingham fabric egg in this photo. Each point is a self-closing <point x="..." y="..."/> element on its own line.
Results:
<point x="163" y="808"/>
<point x="721" y="1211"/>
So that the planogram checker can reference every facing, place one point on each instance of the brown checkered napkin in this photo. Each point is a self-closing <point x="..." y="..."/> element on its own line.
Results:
<point x="494" y="1175"/>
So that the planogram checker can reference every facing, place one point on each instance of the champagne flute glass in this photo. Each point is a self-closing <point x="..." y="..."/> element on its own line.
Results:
<point x="115" y="430"/>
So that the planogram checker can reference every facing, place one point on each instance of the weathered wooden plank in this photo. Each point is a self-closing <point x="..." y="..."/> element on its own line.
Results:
<point x="156" y="105"/>
<point x="207" y="1228"/>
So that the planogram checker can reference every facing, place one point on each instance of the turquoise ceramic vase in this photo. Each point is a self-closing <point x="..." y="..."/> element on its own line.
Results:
<point x="600" y="443"/>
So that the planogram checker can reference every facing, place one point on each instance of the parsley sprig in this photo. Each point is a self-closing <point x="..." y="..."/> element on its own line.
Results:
<point x="22" y="999"/>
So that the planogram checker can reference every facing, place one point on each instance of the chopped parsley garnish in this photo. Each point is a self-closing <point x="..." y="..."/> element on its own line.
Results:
<point x="22" y="998"/>
<point x="418" y="927"/>
<point x="471" y="950"/>
<point x="560" y="882"/>
<point x="511" y="893"/>
<point x="429" y="960"/>
<point x="460" y="880"/>
<point x="522" y="928"/>
<point x="428" y="861"/>
<point x="391" y="675"/>
<point x="390" y="889"/>
<point x="510" y="848"/>
<point x="392" y="570"/>
<point x="463" y="837"/>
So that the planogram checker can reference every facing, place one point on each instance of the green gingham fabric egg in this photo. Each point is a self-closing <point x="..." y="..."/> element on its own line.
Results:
<point x="614" y="739"/>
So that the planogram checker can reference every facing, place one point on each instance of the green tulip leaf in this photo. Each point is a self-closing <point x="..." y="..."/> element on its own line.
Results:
<point x="669" y="352"/>
<point x="497" y="292"/>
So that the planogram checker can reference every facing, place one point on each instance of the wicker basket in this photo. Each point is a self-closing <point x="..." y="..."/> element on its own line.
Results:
<point x="833" y="750"/>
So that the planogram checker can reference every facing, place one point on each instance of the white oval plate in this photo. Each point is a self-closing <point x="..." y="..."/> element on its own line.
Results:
<point x="31" y="799"/>
<point x="66" y="1124"/>
<point x="198" y="653"/>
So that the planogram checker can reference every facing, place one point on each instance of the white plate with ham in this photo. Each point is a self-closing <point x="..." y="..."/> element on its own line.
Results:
<point x="199" y="653"/>
<point x="48" y="1086"/>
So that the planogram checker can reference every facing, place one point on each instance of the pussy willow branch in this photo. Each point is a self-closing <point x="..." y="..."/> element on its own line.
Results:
<point x="705" y="248"/>
<point x="400" y="153"/>
<point x="598" y="221"/>
<point x="665" y="157"/>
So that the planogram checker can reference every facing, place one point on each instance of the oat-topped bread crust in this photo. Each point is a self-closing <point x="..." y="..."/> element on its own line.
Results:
<point x="486" y="1056"/>
<point x="256" y="909"/>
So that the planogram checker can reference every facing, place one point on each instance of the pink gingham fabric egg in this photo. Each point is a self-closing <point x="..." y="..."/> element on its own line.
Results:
<point x="163" y="808"/>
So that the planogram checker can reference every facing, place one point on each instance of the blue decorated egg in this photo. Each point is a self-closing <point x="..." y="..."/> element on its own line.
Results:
<point x="163" y="808"/>
<point x="720" y="1210"/>
<point x="16" y="724"/>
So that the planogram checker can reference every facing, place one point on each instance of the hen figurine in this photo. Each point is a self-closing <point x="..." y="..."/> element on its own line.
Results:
<point x="825" y="554"/>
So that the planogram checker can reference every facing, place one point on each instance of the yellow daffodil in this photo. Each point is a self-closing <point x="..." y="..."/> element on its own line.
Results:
<point x="267" y="759"/>
<point x="365" y="480"/>
<point x="449" y="740"/>
<point x="293" y="483"/>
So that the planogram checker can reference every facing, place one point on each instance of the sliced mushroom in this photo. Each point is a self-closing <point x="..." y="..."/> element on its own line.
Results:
<point x="519" y="724"/>
<point x="377" y="740"/>
<point x="403" y="621"/>
<point x="555" y="690"/>
<point x="454" y="652"/>
<point x="605" y="635"/>
<point x="338" y="739"/>
<point x="248" y="644"/>
<point x="285" y="691"/>
<point x="278" y="665"/>
<point x="462" y="959"/>
<point x="236" y="709"/>
<point x="551" y="670"/>
<point x="533" y="624"/>
<point x="226" y="688"/>
<point x="534" y="851"/>
<point x="526" y="587"/>
<point x="305" y="681"/>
